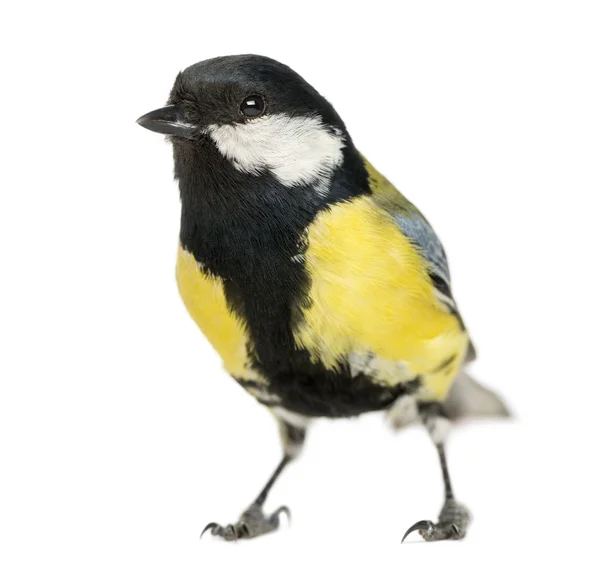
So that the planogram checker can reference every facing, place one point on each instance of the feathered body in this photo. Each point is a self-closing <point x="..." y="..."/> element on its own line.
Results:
<point x="324" y="305"/>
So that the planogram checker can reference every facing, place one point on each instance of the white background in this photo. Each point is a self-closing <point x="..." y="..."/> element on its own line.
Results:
<point x="120" y="436"/>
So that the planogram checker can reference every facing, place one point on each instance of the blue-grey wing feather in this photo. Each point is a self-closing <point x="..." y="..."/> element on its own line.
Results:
<point x="415" y="227"/>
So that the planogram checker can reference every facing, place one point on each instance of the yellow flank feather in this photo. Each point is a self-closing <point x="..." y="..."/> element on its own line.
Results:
<point x="371" y="294"/>
<point x="205" y="301"/>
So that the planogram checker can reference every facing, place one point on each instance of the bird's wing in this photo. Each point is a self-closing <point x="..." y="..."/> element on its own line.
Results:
<point x="416" y="227"/>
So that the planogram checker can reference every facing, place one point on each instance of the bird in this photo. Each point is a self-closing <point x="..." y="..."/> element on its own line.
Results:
<point x="326" y="293"/>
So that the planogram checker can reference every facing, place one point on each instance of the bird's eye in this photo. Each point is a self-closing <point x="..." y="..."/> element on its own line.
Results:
<point x="253" y="106"/>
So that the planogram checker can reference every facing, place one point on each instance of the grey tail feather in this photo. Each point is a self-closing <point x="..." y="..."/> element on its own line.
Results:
<point x="468" y="398"/>
<point x="471" y="353"/>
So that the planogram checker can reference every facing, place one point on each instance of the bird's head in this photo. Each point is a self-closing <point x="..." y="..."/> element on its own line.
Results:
<point x="261" y="116"/>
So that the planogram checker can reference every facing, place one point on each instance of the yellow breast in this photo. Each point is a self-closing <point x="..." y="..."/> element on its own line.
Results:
<point x="370" y="294"/>
<point x="205" y="301"/>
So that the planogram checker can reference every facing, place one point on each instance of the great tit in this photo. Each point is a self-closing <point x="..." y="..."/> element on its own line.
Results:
<point x="323" y="289"/>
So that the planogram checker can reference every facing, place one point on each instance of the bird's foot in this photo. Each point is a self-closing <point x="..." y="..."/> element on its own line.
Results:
<point x="452" y="525"/>
<point x="252" y="523"/>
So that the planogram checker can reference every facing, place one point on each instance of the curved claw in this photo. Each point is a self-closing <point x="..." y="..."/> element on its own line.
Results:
<point x="211" y="527"/>
<point x="232" y="532"/>
<point x="243" y="530"/>
<point x="282" y="510"/>
<point x="424" y="525"/>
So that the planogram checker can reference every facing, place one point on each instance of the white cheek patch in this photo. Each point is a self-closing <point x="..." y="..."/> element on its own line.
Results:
<point x="297" y="150"/>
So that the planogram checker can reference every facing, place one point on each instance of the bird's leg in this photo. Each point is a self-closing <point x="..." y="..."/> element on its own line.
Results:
<point x="253" y="521"/>
<point x="454" y="518"/>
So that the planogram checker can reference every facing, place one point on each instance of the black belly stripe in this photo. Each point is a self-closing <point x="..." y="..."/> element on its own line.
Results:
<point x="333" y="394"/>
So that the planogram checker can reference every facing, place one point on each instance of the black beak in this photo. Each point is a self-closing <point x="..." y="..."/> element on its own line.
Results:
<point x="167" y="120"/>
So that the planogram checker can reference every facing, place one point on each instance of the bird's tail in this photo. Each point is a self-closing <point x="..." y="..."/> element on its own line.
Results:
<point x="468" y="398"/>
